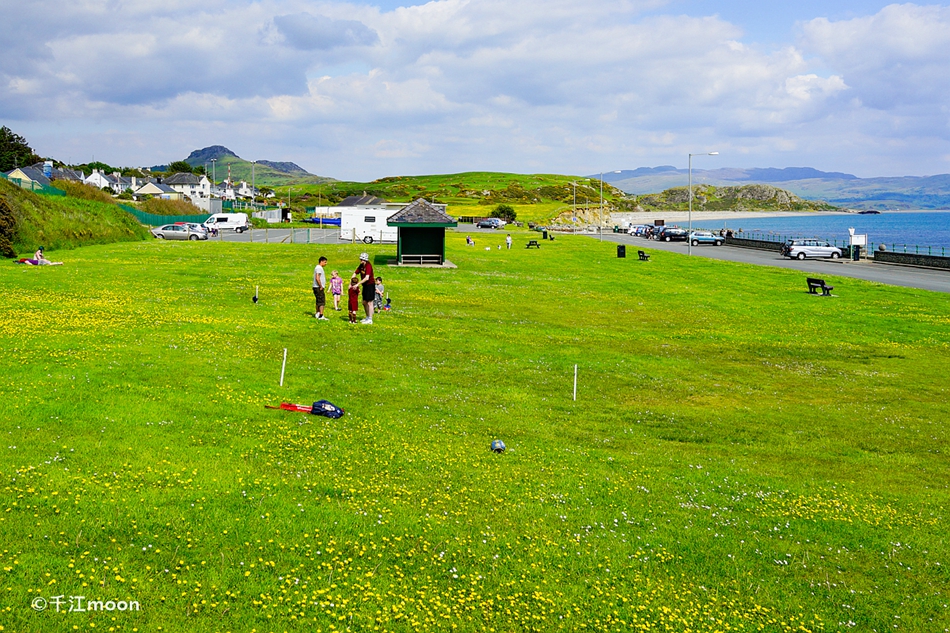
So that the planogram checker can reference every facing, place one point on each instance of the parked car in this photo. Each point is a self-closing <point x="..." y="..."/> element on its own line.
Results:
<point x="802" y="248"/>
<point x="672" y="234"/>
<point x="491" y="223"/>
<point x="194" y="227"/>
<point x="178" y="232"/>
<point x="705" y="237"/>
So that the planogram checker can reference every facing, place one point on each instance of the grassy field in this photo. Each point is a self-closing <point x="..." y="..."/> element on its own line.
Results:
<point x="741" y="456"/>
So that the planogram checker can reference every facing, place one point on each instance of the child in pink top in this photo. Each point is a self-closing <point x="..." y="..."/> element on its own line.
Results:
<point x="336" y="288"/>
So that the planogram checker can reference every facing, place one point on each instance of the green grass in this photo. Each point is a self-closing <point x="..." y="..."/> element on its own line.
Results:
<point x="60" y="222"/>
<point x="741" y="455"/>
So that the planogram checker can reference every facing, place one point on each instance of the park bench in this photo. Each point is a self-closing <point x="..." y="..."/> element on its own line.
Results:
<point x="643" y="256"/>
<point x="420" y="260"/>
<point x="815" y="284"/>
<point x="533" y="243"/>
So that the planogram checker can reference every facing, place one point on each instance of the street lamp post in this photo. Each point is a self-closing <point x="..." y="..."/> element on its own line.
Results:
<point x="213" y="176"/>
<point x="601" y="214"/>
<point x="689" y="234"/>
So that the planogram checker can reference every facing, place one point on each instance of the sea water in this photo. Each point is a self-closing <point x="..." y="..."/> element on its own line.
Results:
<point x="898" y="230"/>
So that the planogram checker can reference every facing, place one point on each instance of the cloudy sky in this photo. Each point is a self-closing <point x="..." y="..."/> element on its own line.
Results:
<point x="370" y="88"/>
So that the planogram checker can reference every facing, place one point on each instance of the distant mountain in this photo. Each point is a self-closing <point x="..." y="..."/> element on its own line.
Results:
<point x="839" y="189"/>
<point x="262" y="172"/>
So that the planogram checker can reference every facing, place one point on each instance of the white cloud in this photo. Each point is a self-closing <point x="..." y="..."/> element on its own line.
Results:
<point x="466" y="84"/>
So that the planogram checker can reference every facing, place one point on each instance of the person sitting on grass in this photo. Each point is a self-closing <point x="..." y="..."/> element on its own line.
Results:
<point x="39" y="259"/>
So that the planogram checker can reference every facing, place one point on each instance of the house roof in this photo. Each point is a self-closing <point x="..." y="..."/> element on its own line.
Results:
<point x="60" y="173"/>
<point x="421" y="213"/>
<point x="365" y="199"/>
<point x="36" y="175"/>
<point x="181" y="178"/>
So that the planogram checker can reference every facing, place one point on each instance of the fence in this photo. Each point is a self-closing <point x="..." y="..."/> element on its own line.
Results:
<point x="157" y="220"/>
<point x="845" y="245"/>
<point x="35" y="187"/>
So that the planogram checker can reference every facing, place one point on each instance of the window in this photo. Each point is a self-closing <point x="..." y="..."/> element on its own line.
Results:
<point x="369" y="218"/>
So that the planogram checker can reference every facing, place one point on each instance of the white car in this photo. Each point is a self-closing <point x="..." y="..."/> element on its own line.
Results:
<point x="804" y="248"/>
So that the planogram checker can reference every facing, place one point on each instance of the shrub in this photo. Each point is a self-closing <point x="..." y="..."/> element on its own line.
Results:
<point x="504" y="211"/>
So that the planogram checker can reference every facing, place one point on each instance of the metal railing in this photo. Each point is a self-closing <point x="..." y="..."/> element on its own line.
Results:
<point x="933" y="251"/>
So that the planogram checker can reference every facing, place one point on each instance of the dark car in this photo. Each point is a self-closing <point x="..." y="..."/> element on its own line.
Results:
<point x="673" y="234"/>
<point x="491" y="223"/>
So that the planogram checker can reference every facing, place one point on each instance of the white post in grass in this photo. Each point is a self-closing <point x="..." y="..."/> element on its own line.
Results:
<point x="575" y="383"/>
<point x="283" y="367"/>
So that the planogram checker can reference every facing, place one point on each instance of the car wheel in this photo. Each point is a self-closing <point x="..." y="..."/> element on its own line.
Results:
<point x="160" y="236"/>
<point x="667" y="238"/>
<point x="801" y="256"/>
<point x="718" y="243"/>
<point x="695" y="242"/>
<point x="193" y="238"/>
<point x="368" y="239"/>
<point x="239" y="230"/>
<point x="835" y="255"/>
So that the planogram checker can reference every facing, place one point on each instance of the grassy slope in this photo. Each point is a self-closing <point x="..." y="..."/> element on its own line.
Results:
<point x="65" y="222"/>
<point x="741" y="455"/>
<point x="535" y="197"/>
<point x="262" y="174"/>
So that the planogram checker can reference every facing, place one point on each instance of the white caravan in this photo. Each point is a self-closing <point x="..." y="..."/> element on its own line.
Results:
<point x="367" y="223"/>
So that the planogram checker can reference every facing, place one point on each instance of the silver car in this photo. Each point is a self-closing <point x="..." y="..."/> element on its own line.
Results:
<point x="178" y="232"/>
<point x="800" y="249"/>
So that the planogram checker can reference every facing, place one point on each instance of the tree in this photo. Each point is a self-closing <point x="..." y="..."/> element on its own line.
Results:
<point x="179" y="166"/>
<point x="14" y="151"/>
<point x="504" y="211"/>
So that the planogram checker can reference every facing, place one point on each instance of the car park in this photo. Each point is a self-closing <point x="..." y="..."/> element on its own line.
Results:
<point x="705" y="237"/>
<point x="811" y="247"/>
<point x="178" y="232"/>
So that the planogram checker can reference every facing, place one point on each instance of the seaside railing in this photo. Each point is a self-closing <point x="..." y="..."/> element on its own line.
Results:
<point x="933" y="251"/>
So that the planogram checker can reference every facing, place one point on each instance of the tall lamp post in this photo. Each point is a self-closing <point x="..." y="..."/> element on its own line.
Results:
<point x="213" y="177"/>
<point x="689" y="234"/>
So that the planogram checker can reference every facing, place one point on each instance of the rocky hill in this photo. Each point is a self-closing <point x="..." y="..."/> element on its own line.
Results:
<point x="262" y="172"/>
<point x="840" y="189"/>
<point x="732" y="198"/>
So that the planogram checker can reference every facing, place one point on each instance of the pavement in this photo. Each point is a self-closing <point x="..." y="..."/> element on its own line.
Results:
<point x="869" y="270"/>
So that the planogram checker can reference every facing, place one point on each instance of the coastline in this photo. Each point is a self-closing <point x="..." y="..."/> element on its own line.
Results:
<point x="644" y="217"/>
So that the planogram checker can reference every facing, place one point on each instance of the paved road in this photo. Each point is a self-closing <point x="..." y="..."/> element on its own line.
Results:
<point x="908" y="276"/>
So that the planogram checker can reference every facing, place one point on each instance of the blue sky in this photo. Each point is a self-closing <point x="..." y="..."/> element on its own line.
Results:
<point x="361" y="90"/>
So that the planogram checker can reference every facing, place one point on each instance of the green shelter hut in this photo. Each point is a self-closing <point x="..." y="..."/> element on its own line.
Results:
<point x="421" y="233"/>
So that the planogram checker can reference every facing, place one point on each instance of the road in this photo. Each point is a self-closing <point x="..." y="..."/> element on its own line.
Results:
<point x="891" y="274"/>
<point x="287" y="236"/>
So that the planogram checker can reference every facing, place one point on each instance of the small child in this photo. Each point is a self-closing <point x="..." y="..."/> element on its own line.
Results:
<point x="336" y="287"/>
<point x="380" y="293"/>
<point x="354" y="295"/>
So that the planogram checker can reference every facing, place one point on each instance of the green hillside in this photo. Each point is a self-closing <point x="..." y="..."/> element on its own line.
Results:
<point x="28" y="220"/>
<point x="534" y="196"/>
<point x="262" y="173"/>
<point x="734" y="198"/>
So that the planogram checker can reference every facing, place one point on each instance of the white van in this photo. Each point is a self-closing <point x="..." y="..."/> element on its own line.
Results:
<point x="236" y="222"/>
<point x="368" y="223"/>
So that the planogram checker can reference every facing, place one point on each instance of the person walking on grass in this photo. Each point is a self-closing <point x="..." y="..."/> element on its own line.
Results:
<point x="508" y="241"/>
<point x="368" y="282"/>
<point x="320" y="289"/>
<point x="336" y="289"/>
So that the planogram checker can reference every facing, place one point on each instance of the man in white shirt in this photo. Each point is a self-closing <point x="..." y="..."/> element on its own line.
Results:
<point x="320" y="288"/>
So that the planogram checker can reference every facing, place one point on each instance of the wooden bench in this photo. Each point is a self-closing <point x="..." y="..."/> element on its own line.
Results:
<point x="432" y="260"/>
<point x="533" y="243"/>
<point x="815" y="284"/>
<point x="643" y="256"/>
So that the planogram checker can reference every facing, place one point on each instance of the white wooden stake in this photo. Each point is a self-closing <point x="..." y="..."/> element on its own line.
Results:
<point x="575" y="382"/>
<point x="256" y="288"/>
<point x="284" y="366"/>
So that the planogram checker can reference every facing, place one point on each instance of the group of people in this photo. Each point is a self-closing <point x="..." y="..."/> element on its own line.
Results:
<point x="362" y="282"/>
<point x="469" y="241"/>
